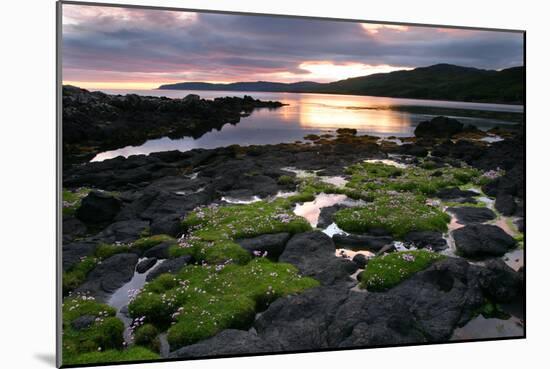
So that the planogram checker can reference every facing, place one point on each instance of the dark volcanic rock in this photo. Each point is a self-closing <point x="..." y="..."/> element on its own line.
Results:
<point x="327" y="214"/>
<point x="98" y="207"/>
<point x="169" y="266"/>
<point x="159" y="251"/>
<point x="469" y="214"/>
<point x="169" y="224"/>
<point x="123" y="231"/>
<point x="313" y="254"/>
<point x="520" y="223"/>
<point x="108" y="276"/>
<point x="482" y="240"/>
<point x="83" y="322"/>
<point x="73" y="228"/>
<point x="422" y="239"/>
<point x="505" y="204"/>
<point x="95" y="119"/>
<point x="500" y="282"/>
<point x="273" y="244"/>
<point x="361" y="260"/>
<point x="72" y="253"/>
<point x="301" y="322"/>
<point x="145" y="265"/>
<point x="442" y="127"/>
<point x="425" y="308"/>
<point x="227" y="342"/>
<point x="456" y="195"/>
<point x="362" y="241"/>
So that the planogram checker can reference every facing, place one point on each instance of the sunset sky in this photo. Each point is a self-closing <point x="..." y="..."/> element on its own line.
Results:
<point x="107" y="47"/>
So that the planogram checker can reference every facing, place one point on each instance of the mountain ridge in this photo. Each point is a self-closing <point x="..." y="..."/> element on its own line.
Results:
<point x="435" y="82"/>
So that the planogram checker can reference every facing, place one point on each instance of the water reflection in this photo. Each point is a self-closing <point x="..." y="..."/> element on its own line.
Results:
<point x="305" y="114"/>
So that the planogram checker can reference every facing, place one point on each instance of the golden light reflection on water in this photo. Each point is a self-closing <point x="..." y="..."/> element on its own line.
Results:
<point x="334" y="111"/>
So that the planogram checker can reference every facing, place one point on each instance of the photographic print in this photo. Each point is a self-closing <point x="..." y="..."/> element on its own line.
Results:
<point x="241" y="184"/>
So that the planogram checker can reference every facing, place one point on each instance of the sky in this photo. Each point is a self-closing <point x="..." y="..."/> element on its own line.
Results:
<point x="118" y="48"/>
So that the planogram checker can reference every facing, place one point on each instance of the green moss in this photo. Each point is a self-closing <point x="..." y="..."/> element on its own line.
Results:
<point x="285" y="180"/>
<point x="378" y="176"/>
<point x="76" y="275"/>
<point x="147" y="336"/>
<point x="135" y="353"/>
<point x="145" y="243"/>
<point x="104" y="333"/>
<point x="386" y="271"/>
<point x="212" y="230"/>
<point x="202" y="300"/>
<point x="72" y="199"/>
<point x="451" y="204"/>
<point x="398" y="213"/>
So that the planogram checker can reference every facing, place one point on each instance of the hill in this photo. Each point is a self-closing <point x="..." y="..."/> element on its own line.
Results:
<point x="437" y="82"/>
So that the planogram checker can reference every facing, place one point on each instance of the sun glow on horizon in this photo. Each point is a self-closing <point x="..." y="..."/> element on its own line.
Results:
<point x="373" y="28"/>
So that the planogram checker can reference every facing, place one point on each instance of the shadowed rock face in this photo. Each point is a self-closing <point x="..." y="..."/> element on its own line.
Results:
<point x="469" y="215"/>
<point x="440" y="127"/>
<point x="482" y="240"/>
<point x="425" y="308"/>
<point x="313" y="254"/>
<point x="109" y="276"/>
<point x="273" y="244"/>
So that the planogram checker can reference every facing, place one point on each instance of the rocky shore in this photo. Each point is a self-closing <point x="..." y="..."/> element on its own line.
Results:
<point x="232" y="269"/>
<point x="95" y="121"/>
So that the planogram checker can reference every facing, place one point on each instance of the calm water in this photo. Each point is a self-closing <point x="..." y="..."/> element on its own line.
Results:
<point x="304" y="114"/>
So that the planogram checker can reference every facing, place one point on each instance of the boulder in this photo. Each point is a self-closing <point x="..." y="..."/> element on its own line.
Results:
<point x="326" y="216"/>
<point x="470" y="214"/>
<point x="273" y="244"/>
<point x="98" y="207"/>
<point x="362" y="241"/>
<point x="500" y="282"/>
<point x="123" y="231"/>
<point x="301" y="322"/>
<point x="227" y="342"/>
<point x="423" y="239"/>
<point x="169" y="266"/>
<point x="83" y="322"/>
<point x="109" y="276"/>
<point x="455" y="194"/>
<point x="313" y="253"/>
<point x="505" y="204"/>
<point x="482" y="240"/>
<point x="145" y="265"/>
<point x="440" y="127"/>
<point x="361" y="260"/>
<point x="72" y="253"/>
<point x="160" y="251"/>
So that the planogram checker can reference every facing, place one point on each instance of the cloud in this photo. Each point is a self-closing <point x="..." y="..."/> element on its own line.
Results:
<point x="151" y="46"/>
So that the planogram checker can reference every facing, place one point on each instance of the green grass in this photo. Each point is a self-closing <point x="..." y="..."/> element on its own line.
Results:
<point x="200" y="301"/>
<point x="378" y="176"/>
<point x="105" y="332"/>
<point x="398" y="213"/>
<point x="147" y="336"/>
<point x="212" y="230"/>
<point x="73" y="198"/>
<point x="145" y="243"/>
<point x="76" y="275"/>
<point x="135" y="353"/>
<point x="386" y="271"/>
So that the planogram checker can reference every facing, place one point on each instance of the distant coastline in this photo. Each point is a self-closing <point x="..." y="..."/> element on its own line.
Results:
<point x="437" y="82"/>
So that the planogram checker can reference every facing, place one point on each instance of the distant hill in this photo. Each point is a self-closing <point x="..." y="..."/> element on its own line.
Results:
<point x="437" y="82"/>
<point x="245" y="86"/>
